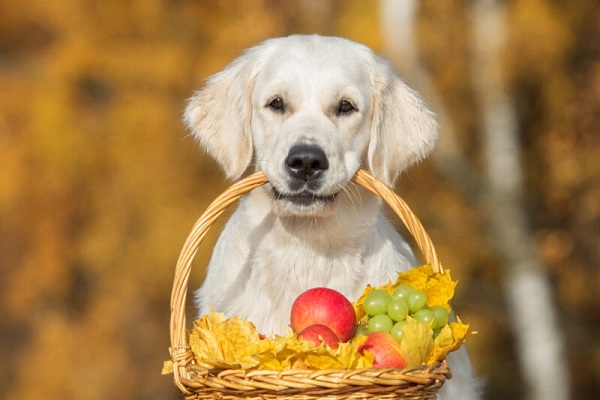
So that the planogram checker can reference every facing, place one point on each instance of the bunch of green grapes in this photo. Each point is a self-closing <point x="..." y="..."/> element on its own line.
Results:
<point x="388" y="313"/>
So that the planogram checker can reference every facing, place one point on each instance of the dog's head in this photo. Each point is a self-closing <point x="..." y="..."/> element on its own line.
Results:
<point x="309" y="111"/>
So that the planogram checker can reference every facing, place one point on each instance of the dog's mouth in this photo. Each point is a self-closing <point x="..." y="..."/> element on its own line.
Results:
<point x="305" y="198"/>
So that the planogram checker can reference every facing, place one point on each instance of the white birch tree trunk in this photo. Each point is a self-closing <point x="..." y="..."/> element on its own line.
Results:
<point x="527" y="289"/>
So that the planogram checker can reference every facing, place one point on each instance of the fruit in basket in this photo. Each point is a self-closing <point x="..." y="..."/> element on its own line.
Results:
<point x="425" y="316"/>
<point x="385" y="349"/>
<point x="376" y="302"/>
<point x="397" y="332"/>
<point x="441" y="316"/>
<point x="416" y="301"/>
<point x="222" y="343"/>
<point x="418" y="306"/>
<point x="386" y="309"/>
<point x="402" y="291"/>
<point x="380" y="323"/>
<point x="327" y="307"/>
<point x="318" y="334"/>
<point x="397" y="310"/>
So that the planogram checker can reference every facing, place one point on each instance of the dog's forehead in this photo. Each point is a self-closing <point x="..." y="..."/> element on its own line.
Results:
<point x="321" y="63"/>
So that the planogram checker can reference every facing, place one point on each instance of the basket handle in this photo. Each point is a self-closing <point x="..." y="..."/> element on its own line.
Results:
<point x="181" y="353"/>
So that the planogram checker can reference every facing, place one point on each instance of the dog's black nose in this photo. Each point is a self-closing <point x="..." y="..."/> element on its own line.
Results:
<point x="306" y="162"/>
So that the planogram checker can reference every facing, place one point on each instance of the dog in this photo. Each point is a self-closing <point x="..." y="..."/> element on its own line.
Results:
<point x="309" y="111"/>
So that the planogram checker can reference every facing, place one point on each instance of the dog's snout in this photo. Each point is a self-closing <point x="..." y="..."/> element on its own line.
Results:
<point x="306" y="162"/>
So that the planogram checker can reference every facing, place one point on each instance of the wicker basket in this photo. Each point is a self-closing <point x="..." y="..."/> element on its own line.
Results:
<point x="197" y="382"/>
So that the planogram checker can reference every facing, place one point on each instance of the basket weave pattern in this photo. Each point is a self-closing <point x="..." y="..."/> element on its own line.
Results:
<point x="197" y="382"/>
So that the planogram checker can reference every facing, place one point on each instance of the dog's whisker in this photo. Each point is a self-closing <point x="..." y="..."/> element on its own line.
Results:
<point x="353" y="193"/>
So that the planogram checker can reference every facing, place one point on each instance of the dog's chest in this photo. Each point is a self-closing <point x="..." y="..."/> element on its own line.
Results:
<point x="277" y="279"/>
<point x="277" y="261"/>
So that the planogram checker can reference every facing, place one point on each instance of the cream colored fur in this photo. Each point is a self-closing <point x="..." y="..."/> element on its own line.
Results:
<point x="273" y="248"/>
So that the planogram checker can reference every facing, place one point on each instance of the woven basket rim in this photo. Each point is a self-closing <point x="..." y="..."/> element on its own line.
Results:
<point x="193" y="379"/>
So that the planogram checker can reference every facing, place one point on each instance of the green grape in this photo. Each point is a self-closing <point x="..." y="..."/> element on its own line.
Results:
<point x="441" y="316"/>
<point x="376" y="302"/>
<point x="397" y="309"/>
<point x="361" y="331"/>
<point x="416" y="301"/>
<point x="396" y="331"/>
<point x="425" y="316"/>
<point x="403" y="291"/>
<point x="380" y="323"/>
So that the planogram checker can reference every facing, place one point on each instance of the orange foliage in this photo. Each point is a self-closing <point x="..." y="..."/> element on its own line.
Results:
<point x="100" y="183"/>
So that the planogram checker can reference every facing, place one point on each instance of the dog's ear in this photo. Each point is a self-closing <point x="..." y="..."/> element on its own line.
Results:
<point x="219" y="115"/>
<point x="404" y="129"/>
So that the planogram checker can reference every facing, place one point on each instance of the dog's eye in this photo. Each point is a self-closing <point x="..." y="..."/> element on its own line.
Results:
<point x="345" y="107"/>
<point x="277" y="104"/>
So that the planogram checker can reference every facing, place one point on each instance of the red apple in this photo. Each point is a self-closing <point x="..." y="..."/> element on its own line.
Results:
<point x="319" y="334"/>
<point x="324" y="306"/>
<point x="385" y="349"/>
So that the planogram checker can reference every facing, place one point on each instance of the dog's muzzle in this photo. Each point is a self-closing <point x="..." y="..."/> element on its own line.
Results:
<point x="306" y="166"/>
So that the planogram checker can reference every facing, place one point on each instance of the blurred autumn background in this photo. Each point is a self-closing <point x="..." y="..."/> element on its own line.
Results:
<point x="100" y="183"/>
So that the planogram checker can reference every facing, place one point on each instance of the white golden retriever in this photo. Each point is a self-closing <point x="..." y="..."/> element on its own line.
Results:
<point x="309" y="111"/>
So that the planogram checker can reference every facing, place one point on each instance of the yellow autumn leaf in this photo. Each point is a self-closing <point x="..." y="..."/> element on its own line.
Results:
<point x="167" y="368"/>
<point x="439" y="288"/>
<point x="361" y="316"/>
<point x="320" y="360"/>
<point x="218" y="342"/>
<point x="449" y="339"/>
<point x="442" y="342"/>
<point x="417" y="341"/>
<point x="349" y="356"/>
<point x="290" y="352"/>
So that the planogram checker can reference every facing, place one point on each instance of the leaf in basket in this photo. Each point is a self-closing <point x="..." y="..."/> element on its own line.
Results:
<point x="459" y="330"/>
<point x="167" y="367"/>
<point x="450" y="338"/>
<point x="361" y="315"/>
<point x="349" y="356"/>
<point x="441" y="344"/>
<point x="439" y="288"/>
<point x="346" y="356"/>
<point x="417" y="341"/>
<point x="283" y="353"/>
<point x="278" y="361"/>
<point x="321" y="360"/>
<point x="218" y="342"/>
<point x="290" y="352"/>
